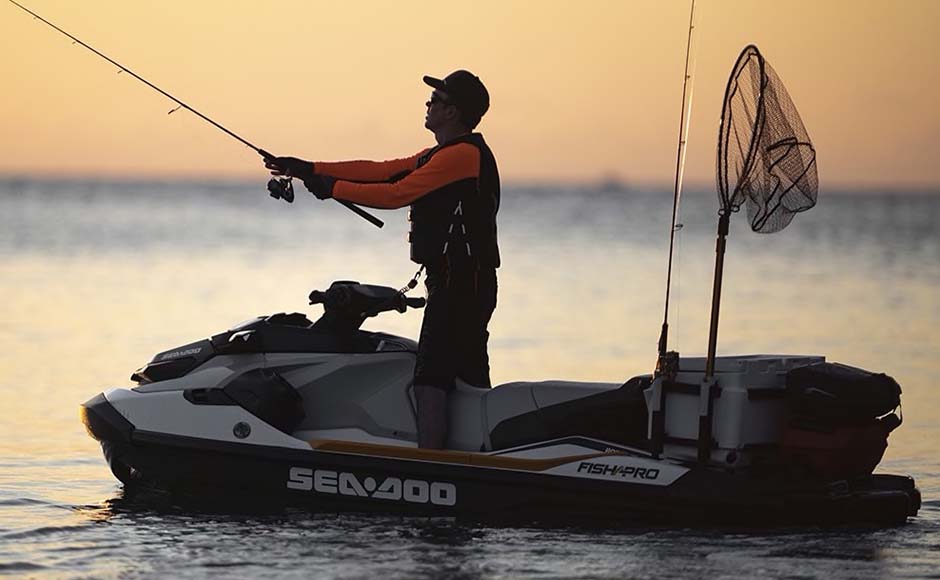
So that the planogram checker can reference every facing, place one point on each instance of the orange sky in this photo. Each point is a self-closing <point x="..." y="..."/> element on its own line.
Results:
<point x="580" y="90"/>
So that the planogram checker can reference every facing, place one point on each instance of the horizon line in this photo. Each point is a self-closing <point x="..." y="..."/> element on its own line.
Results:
<point x="603" y="182"/>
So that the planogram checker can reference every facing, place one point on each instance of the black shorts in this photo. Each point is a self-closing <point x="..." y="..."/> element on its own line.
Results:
<point x="453" y="337"/>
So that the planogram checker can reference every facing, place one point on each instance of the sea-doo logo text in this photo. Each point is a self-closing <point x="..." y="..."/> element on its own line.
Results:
<point x="618" y="470"/>
<point x="391" y="488"/>
<point x="179" y="353"/>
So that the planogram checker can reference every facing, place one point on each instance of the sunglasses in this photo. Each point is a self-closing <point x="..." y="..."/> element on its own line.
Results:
<point x="435" y="99"/>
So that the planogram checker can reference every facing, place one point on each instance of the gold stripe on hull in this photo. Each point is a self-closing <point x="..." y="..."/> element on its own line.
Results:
<point x="447" y="456"/>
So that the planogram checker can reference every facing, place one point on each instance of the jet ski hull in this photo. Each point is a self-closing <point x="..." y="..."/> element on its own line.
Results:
<point x="602" y="482"/>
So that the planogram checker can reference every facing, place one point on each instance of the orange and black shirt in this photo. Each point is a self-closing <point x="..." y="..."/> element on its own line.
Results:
<point x="453" y="191"/>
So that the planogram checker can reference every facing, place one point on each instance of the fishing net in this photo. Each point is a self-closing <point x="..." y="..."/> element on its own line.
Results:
<point x="765" y="156"/>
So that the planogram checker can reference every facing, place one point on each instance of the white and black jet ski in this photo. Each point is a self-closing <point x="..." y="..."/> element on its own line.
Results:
<point x="322" y="414"/>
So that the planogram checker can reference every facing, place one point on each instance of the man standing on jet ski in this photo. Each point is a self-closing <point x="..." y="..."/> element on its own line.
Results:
<point x="453" y="191"/>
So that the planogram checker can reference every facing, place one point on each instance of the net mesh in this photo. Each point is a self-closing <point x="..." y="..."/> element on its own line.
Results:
<point x="765" y="156"/>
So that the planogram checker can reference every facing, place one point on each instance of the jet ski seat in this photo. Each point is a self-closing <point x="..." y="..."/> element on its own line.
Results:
<point x="519" y="413"/>
<point x="474" y="412"/>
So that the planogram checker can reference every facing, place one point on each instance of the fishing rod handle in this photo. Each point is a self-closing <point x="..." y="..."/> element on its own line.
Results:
<point x="362" y="213"/>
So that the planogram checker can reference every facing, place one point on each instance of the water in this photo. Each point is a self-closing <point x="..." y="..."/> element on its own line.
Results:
<point x="97" y="277"/>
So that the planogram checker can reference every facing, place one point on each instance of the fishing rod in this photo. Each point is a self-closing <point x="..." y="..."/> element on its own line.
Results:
<point x="664" y="363"/>
<point x="279" y="190"/>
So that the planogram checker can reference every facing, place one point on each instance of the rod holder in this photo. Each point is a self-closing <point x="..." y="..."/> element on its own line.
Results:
<point x="707" y="390"/>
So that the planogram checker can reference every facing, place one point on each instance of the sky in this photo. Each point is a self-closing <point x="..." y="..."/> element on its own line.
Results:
<point x="584" y="91"/>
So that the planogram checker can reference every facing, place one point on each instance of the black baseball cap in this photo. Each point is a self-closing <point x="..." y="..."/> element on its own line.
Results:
<point x="466" y="91"/>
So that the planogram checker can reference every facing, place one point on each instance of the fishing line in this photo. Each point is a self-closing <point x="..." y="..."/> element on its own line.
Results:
<point x="121" y="69"/>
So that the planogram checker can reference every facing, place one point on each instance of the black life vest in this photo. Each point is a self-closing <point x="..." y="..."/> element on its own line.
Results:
<point x="457" y="222"/>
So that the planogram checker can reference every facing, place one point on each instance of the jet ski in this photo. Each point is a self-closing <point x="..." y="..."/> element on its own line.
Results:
<point x="322" y="414"/>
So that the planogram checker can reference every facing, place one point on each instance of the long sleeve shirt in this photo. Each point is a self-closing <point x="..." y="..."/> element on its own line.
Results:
<point x="400" y="182"/>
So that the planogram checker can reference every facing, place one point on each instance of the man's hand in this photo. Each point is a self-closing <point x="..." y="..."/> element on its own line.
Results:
<point x="320" y="185"/>
<point x="289" y="166"/>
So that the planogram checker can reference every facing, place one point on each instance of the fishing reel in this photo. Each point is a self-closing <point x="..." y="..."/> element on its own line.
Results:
<point x="281" y="188"/>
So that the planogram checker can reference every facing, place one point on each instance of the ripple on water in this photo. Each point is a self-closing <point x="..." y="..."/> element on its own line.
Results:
<point x="22" y="501"/>
<point x="41" y="531"/>
<point x="20" y="567"/>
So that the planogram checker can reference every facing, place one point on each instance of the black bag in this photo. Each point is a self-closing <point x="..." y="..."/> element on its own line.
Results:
<point x="838" y="394"/>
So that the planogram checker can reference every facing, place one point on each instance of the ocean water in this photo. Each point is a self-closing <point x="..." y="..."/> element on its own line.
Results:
<point x="96" y="277"/>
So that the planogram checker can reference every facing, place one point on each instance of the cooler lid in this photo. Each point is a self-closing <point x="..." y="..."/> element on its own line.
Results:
<point x="750" y="362"/>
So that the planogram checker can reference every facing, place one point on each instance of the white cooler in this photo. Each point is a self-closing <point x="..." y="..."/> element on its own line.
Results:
<point x="748" y="412"/>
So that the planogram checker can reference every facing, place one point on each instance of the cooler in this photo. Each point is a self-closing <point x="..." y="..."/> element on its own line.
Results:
<point x="743" y="409"/>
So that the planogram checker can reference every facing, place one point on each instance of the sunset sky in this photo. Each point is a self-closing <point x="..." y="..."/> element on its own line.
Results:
<point x="581" y="91"/>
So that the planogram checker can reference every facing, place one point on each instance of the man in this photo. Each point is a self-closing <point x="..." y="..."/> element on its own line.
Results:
<point x="453" y="191"/>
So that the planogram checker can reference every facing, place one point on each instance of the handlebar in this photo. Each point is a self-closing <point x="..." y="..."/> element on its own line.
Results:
<point x="364" y="300"/>
<point x="415" y="302"/>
